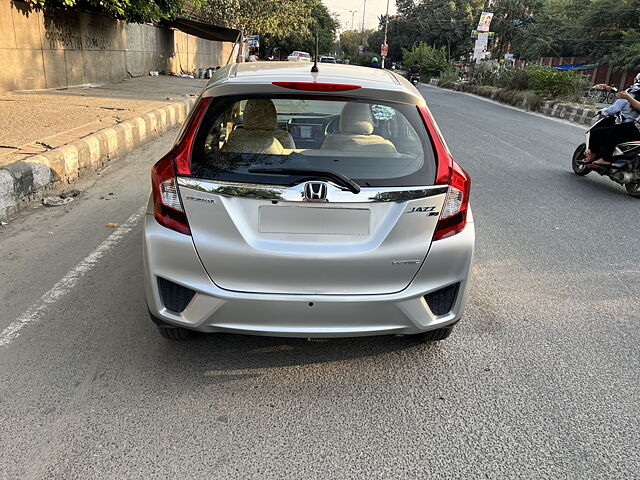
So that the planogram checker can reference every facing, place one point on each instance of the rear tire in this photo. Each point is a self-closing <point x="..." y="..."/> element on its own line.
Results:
<point x="579" y="154"/>
<point x="175" y="333"/>
<point x="436" y="335"/>
<point x="633" y="189"/>
<point x="169" y="331"/>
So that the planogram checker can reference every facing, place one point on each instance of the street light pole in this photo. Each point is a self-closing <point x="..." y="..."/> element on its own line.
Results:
<point x="364" y="10"/>
<point x="353" y="12"/>
<point x="386" y="26"/>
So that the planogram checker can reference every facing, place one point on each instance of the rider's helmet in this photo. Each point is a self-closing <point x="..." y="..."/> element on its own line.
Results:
<point x="374" y="59"/>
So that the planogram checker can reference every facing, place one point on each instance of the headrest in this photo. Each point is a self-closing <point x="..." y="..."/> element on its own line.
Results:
<point x="260" y="114"/>
<point x="356" y="119"/>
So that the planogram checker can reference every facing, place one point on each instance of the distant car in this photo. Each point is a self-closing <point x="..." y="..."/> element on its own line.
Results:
<point x="299" y="57"/>
<point x="300" y="204"/>
<point x="327" y="60"/>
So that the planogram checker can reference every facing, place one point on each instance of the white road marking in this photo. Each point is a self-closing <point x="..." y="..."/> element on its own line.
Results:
<point x="70" y="280"/>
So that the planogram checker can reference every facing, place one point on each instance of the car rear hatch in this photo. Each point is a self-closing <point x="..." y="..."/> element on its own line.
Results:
<point x="307" y="195"/>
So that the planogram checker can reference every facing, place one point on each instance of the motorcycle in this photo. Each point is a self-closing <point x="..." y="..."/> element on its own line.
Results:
<point x="414" y="78"/>
<point x="625" y="166"/>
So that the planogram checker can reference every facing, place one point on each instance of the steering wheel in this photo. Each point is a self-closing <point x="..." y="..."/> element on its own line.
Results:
<point x="333" y="126"/>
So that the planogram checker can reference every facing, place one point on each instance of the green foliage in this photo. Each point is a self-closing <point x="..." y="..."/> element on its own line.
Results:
<point x="439" y="23"/>
<point x="319" y="21"/>
<point x="137" y="11"/>
<point x="511" y="78"/>
<point x="350" y="41"/>
<point x="543" y="80"/>
<point x="548" y="81"/>
<point x="603" y="30"/>
<point x="448" y="76"/>
<point x="627" y="54"/>
<point x="278" y="18"/>
<point x="432" y="62"/>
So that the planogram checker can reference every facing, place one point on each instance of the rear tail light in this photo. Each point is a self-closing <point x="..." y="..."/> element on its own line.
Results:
<point x="453" y="216"/>
<point x="167" y="206"/>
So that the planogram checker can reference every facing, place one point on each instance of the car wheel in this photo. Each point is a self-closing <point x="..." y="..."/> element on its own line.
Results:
<point x="175" y="333"/>
<point x="579" y="168"/>
<point x="436" y="335"/>
<point x="633" y="189"/>
<point x="169" y="331"/>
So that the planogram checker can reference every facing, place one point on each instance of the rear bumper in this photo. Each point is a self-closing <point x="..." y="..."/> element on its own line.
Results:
<point x="172" y="256"/>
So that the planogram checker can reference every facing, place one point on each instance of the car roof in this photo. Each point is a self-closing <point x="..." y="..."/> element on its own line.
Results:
<point x="258" y="77"/>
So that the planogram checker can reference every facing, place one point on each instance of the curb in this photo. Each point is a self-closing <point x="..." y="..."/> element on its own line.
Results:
<point x="26" y="181"/>
<point x="550" y="108"/>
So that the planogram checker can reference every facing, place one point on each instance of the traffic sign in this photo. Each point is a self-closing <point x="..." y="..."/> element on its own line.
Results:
<point x="253" y="41"/>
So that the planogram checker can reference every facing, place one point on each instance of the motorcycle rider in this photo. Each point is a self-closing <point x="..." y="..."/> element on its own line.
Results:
<point x="415" y="69"/>
<point x="374" y="63"/>
<point x="603" y="140"/>
<point x="622" y="110"/>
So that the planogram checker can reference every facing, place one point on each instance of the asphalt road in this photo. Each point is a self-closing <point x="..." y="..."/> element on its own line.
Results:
<point x="540" y="380"/>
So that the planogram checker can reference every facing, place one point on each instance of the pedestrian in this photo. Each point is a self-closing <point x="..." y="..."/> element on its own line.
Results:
<point x="374" y="63"/>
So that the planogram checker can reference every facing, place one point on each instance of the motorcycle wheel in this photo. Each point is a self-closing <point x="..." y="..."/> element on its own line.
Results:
<point x="579" y="168"/>
<point x="633" y="189"/>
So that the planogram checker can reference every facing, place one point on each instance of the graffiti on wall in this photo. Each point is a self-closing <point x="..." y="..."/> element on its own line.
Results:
<point x="75" y="32"/>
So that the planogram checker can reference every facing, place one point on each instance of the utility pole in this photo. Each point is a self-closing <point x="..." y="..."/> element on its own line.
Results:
<point x="353" y="12"/>
<point x="364" y="11"/>
<point x="386" y="26"/>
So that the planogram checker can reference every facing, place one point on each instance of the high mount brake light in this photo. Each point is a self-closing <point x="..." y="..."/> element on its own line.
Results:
<point x="316" y="87"/>
<point x="167" y="206"/>
<point x="453" y="217"/>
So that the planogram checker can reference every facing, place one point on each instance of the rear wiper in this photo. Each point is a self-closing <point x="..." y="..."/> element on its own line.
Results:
<point x="312" y="174"/>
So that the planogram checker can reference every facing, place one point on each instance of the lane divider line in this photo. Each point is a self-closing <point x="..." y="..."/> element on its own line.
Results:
<point x="70" y="280"/>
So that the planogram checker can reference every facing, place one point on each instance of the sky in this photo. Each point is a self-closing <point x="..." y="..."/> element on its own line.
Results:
<point x="374" y="9"/>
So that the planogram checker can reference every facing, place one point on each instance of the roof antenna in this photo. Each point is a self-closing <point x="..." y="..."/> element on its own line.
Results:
<point x="314" y="69"/>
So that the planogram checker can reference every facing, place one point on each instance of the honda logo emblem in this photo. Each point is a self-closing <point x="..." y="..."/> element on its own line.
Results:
<point x="315" y="192"/>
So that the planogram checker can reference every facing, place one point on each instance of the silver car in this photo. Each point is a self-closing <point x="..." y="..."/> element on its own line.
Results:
<point x="307" y="204"/>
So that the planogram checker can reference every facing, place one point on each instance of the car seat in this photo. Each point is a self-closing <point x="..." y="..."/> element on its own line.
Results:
<point x="260" y="132"/>
<point x="356" y="128"/>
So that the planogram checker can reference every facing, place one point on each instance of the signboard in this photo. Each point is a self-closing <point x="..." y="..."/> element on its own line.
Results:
<point x="475" y="33"/>
<point x="361" y="49"/>
<point x="253" y="41"/>
<point x="480" y="48"/>
<point x="485" y="21"/>
<point x="384" y="50"/>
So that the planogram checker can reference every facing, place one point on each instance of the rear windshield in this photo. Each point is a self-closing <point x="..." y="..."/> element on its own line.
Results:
<point x="371" y="142"/>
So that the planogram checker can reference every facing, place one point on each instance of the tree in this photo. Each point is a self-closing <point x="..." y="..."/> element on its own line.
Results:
<point x="432" y="62"/>
<point x="603" y="30"/>
<point x="439" y="23"/>
<point x="320" y="22"/>
<point x="273" y="17"/>
<point x="137" y="11"/>
<point x="350" y="41"/>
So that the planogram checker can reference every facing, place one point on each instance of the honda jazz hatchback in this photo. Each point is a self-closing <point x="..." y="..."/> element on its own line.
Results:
<point x="308" y="204"/>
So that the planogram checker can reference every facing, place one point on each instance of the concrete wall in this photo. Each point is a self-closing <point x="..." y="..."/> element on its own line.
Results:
<point x="54" y="48"/>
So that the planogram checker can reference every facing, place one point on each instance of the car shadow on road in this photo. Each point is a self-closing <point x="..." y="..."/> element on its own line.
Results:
<point x="230" y="352"/>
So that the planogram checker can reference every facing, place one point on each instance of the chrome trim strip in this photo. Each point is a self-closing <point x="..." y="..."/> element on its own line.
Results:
<point x="335" y="194"/>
